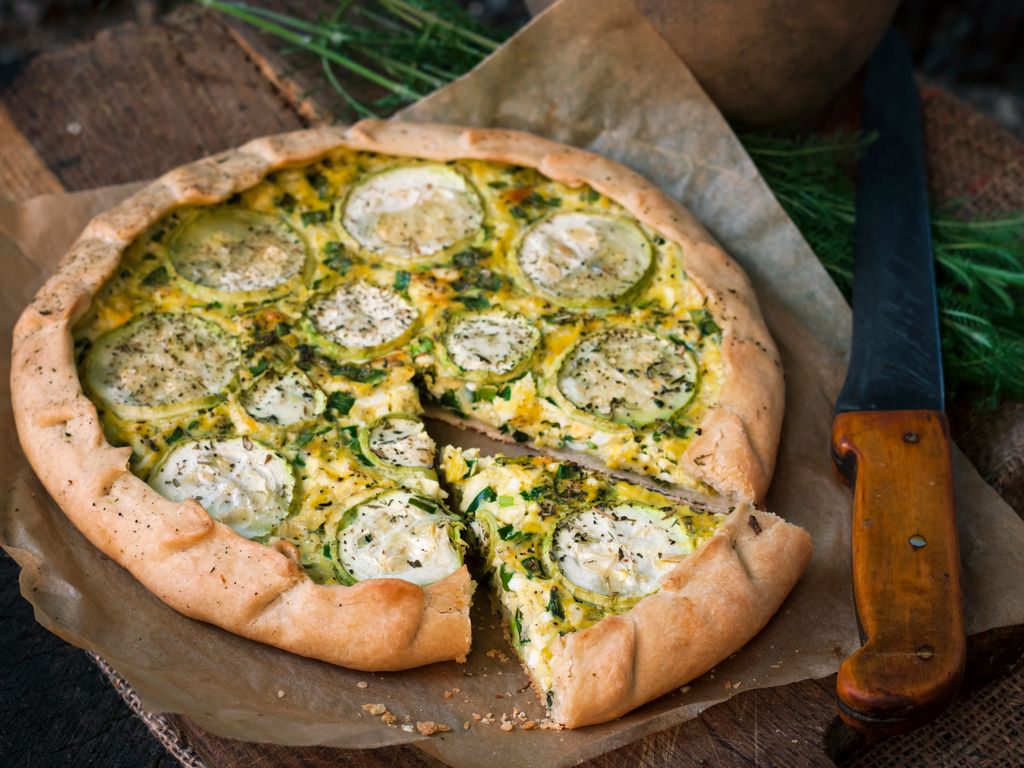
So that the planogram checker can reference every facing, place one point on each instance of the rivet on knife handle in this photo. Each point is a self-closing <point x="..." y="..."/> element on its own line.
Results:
<point x="906" y="569"/>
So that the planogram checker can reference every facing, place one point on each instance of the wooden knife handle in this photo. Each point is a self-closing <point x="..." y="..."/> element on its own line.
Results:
<point x="906" y="569"/>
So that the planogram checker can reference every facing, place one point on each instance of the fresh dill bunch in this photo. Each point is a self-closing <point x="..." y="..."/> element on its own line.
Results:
<point x="398" y="51"/>
<point x="979" y="264"/>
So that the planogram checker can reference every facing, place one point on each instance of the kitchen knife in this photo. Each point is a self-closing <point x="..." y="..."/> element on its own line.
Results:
<point x="890" y="437"/>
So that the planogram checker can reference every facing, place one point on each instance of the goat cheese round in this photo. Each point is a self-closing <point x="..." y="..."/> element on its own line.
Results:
<point x="628" y="375"/>
<point x="161" y="365"/>
<point x="240" y="482"/>
<point x="581" y="258"/>
<point x="283" y="398"/>
<point x="398" y="535"/>
<point x="493" y="341"/>
<point x="411" y="213"/>
<point x="619" y="552"/>
<point x="236" y="250"/>
<point x="362" y="316"/>
<point x="402" y="441"/>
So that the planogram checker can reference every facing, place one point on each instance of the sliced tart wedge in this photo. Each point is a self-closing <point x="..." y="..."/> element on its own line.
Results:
<point x="614" y="594"/>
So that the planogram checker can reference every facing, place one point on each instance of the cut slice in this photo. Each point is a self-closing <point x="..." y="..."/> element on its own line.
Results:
<point x="161" y="365"/>
<point x="614" y="594"/>
<point x="412" y="214"/>
<point x="585" y="259"/>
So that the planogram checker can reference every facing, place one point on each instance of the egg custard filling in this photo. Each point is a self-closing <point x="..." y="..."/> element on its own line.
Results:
<point x="565" y="546"/>
<point x="272" y="357"/>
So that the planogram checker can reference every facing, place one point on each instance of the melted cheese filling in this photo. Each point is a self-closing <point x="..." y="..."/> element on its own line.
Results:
<point x="161" y="361"/>
<point x="622" y="551"/>
<point x="579" y="255"/>
<point x="362" y="315"/>
<point x="239" y="482"/>
<point x="412" y="212"/>
<point x="396" y="536"/>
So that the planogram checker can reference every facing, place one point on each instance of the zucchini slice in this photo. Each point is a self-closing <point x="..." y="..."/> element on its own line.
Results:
<point x="362" y="319"/>
<point x="240" y="482"/>
<point x="628" y="375"/>
<point x="283" y="398"/>
<point x="585" y="259"/>
<point x="612" y="557"/>
<point x="237" y="254"/>
<point x="161" y="365"/>
<point x="400" y="440"/>
<point x="412" y="213"/>
<point x="489" y="345"/>
<point x="397" y="535"/>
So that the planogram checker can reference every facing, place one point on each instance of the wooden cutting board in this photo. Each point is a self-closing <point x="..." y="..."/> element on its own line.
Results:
<point x="137" y="101"/>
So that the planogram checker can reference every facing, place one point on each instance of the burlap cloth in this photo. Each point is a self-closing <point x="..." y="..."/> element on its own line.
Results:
<point x="977" y="167"/>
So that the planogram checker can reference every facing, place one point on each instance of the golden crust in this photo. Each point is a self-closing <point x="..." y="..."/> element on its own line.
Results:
<point x="206" y="571"/>
<point x="709" y="606"/>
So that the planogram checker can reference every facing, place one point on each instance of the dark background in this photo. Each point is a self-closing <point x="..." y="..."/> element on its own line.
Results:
<point x="975" y="48"/>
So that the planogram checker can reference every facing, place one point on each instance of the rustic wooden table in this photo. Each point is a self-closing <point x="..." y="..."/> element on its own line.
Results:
<point x="128" y="105"/>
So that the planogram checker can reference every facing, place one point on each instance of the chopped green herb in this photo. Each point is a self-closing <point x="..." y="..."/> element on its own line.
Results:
<point x="451" y="401"/>
<point x="175" y="436"/>
<point x="518" y="212"/>
<point x="533" y="566"/>
<point x="518" y="626"/>
<point x="157" y="277"/>
<point x="566" y="471"/>
<point x="327" y="551"/>
<point x="497" y="184"/>
<point x="425" y="504"/>
<point x="401" y="281"/>
<point x="260" y="367"/>
<point x="549" y="699"/>
<point x="420" y="345"/>
<point x="340" y="403"/>
<point x="486" y="495"/>
<point x="282" y="329"/>
<point x="591" y="195"/>
<point x="506" y="501"/>
<point x="520" y="437"/>
<point x="474" y="302"/>
<point x="364" y="374"/>
<point x="304" y="437"/>
<point x="506" y="576"/>
<point x="505" y="393"/>
<point x="555" y="604"/>
<point x="286" y="201"/>
<point x="313" y="217"/>
<point x="484" y="393"/>
<point x="704" y="322"/>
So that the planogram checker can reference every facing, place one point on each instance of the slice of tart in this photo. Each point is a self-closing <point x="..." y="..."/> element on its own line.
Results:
<point x="613" y="594"/>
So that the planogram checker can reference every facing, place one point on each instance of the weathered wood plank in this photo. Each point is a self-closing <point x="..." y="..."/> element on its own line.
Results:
<point x="137" y="101"/>
<point x="22" y="173"/>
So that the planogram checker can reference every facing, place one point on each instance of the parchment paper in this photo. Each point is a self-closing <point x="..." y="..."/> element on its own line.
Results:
<point x="594" y="75"/>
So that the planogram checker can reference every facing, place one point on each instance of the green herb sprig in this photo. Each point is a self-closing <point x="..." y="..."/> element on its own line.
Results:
<point x="402" y="50"/>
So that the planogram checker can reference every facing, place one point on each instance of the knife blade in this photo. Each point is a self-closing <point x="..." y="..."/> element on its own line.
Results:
<point x="890" y="437"/>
